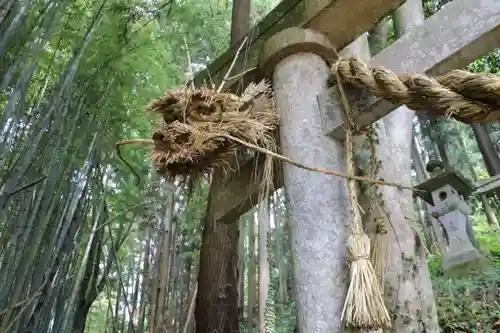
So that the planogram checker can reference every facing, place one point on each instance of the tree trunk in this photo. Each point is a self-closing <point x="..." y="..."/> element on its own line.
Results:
<point x="280" y="257"/>
<point x="240" y="24"/>
<point x="252" y="270"/>
<point x="90" y="287"/>
<point x="135" y="296"/>
<point x="263" y="263"/>
<point x="145" y="281"/>
<point x="5" y="6"/>
<point x="174" y="289"/>
<point x="437" y="135"/>
<point x="153" y="294"/>
<point x="417" y="161"/>
<point x="80" y="318"/>
<point x="187" y="286"/>
<point x="489" y="212"/>
<point x="490" y="157"/>
<point x="241" y="267"/>
<point x="190" y="312"/>
<point x="432" y="150"/>
<point x="469" y="164"/>
<point x="161" y="289"/>
<point x="217" y="301"/>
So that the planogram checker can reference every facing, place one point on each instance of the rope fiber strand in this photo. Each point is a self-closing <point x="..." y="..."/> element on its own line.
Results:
<point x="464" y="96"/>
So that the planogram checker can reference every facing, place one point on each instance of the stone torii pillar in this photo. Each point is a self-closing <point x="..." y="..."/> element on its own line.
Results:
<point x="317" y="203"/>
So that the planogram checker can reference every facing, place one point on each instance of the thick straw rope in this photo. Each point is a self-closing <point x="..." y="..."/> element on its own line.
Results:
<point x="467" y="97"/>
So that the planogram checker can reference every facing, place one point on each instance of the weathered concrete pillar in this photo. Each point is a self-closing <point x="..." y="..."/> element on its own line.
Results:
<point x="317" y="203"/>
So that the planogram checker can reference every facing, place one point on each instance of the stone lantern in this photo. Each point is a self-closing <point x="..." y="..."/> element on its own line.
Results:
<point x="445" y="192"/>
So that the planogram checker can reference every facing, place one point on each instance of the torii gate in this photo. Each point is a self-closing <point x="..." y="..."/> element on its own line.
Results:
<point x="290" y="44"/>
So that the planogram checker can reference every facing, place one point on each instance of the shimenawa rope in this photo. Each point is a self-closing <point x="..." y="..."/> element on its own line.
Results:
<point x="464" y="96"/>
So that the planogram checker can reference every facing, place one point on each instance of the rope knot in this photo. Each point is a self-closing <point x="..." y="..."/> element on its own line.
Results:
<point x="356" y="258"/>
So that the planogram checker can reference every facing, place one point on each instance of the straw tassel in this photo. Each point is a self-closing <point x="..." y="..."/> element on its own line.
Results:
<point x="364" y="306"/>
<point x="378" y="253"/>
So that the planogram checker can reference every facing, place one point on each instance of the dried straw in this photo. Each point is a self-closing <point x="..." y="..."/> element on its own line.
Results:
<point x="364" y="305"/>
<point x="198" y="125"/>
<point x="378" y="253"/>
<point x="203" y="129"/>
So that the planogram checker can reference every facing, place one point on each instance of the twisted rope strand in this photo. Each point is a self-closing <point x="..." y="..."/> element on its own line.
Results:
<point x="481" y="86"/>
<point x="467" y="97"/>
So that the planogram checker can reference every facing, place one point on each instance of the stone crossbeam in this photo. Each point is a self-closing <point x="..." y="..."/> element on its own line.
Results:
<point x="341" y="20"/>
<point x="452" y="38"/>
<point x="488" y="186"/>
<point x="459" y="33"/>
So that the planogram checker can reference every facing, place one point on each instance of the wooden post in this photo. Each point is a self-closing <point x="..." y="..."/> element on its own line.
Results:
<point x="317" y="203"/>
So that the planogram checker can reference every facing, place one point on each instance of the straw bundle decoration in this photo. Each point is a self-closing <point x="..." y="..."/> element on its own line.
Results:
<point x="379" y="249"/>
<point x="364" y="305"/>
<point x="377" y="218"/>
<point x="197" y="126"/>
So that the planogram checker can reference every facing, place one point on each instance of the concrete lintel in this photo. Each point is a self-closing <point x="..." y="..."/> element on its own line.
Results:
<point x="341" y="21"/>
<point x="459" y="33"/>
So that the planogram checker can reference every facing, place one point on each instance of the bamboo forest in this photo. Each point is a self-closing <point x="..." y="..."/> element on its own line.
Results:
<point x="95" y="239"/>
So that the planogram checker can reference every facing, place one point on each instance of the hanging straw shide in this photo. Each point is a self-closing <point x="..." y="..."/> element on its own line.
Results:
<point x="379" y="248"/>
<point x="364" y="305"/>
<point x="376" y="216"/>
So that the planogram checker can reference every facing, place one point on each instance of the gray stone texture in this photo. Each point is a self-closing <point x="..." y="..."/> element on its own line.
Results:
<point x="317" y="203"/>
